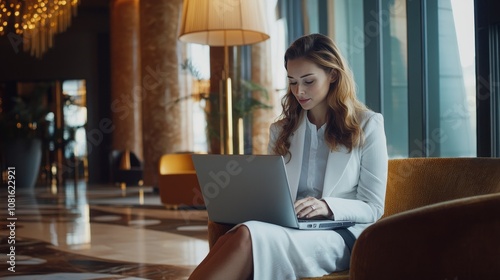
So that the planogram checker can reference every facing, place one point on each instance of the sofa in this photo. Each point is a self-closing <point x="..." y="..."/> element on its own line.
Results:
<point x="177" y="182"/>
<point x="441" y="221"/>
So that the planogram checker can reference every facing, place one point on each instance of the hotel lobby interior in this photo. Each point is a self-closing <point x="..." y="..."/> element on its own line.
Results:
<point x="100" y="110"/>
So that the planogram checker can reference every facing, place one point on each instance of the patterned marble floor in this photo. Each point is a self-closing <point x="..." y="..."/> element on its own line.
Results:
<point x="99" y="232"/>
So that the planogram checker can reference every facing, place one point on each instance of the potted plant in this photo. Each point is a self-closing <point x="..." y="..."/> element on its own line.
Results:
<point x="22" y="119"/>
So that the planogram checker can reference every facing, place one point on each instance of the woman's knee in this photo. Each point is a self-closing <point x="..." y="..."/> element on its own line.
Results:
<point x="241" y="237"/>
<point x="243" y="232"/>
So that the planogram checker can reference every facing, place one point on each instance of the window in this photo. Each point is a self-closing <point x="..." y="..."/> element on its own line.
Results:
<point x="348" y="33"/>
<point x="395" y="77"/>
<point x="441" y="78"/>
<point x="75" y="118"/>
<point x="413" y="61"/>
<point x="200" y="58"/>
<point x="456" y="113"/>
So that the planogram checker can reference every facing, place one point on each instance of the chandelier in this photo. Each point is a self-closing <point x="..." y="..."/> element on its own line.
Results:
<point x="35" y="22"/>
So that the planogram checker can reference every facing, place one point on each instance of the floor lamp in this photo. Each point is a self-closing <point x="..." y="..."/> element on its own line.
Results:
<point x="224" y="23"/>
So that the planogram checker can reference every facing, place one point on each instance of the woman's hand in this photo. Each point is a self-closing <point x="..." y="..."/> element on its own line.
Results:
<point x="311" y="207"/>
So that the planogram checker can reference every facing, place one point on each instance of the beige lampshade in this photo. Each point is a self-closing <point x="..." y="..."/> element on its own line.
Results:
<point x="223" y="22"/>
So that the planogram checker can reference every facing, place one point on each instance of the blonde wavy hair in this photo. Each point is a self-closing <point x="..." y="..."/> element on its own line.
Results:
<point x="343" y="121"/>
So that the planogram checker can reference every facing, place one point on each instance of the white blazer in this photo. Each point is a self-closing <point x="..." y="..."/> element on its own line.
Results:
<point x="355" y="182"/>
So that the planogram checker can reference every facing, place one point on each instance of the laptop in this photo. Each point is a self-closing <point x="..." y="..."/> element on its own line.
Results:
<point x="240" y="188"/>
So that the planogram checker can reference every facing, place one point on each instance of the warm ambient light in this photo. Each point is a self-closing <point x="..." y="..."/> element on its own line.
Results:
<point x="224" y="23"/>
<point x="37" y="21"/>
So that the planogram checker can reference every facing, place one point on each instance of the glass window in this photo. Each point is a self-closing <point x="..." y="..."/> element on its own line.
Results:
<point x="448" y="85"/>
<point x="395" y="79"/>
<point x="75" y="118"/>
<point x="358" y="27"/>
<point x="456" y="113"/>
<point x="348" y="33"/>
<point x="200" y="58"/>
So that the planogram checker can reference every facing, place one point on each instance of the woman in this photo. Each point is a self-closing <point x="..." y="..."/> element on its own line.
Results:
<point x="336" y="160"/>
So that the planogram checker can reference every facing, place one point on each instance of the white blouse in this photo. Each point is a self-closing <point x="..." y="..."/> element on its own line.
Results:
<point x="312" y="174"/>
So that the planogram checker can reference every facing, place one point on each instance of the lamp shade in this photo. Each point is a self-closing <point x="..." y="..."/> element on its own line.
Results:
<point x="223" y="22"/>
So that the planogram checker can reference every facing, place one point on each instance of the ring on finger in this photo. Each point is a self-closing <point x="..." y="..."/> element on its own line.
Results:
<point x="312" y="207"/>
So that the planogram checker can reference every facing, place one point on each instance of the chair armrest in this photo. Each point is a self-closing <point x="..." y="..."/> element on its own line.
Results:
<point x="457" y="239"/>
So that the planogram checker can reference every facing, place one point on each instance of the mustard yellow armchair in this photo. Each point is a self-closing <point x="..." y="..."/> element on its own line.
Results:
<point x="456" y="239"/>
<point x="177" y="182"/>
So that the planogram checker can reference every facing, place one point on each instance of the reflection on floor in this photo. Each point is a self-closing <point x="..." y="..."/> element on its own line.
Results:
<point x="99" y="232"/>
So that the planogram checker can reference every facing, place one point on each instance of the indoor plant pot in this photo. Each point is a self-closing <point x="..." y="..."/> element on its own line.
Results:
<point x="22" y="120"/>
<point x="25" y="155"/>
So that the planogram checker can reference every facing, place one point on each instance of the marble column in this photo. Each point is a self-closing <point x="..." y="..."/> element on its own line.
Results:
<point x="165" y="122"/>
<point x="125" y="76"/>
<point x="262" y="118"/>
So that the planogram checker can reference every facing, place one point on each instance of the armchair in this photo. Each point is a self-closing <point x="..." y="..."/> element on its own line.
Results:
<point x="456" y="239"/>
<point x="177" y="181"/>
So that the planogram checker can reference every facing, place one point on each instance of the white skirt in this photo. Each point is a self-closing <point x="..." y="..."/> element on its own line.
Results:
<point x="285" y="253"/>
